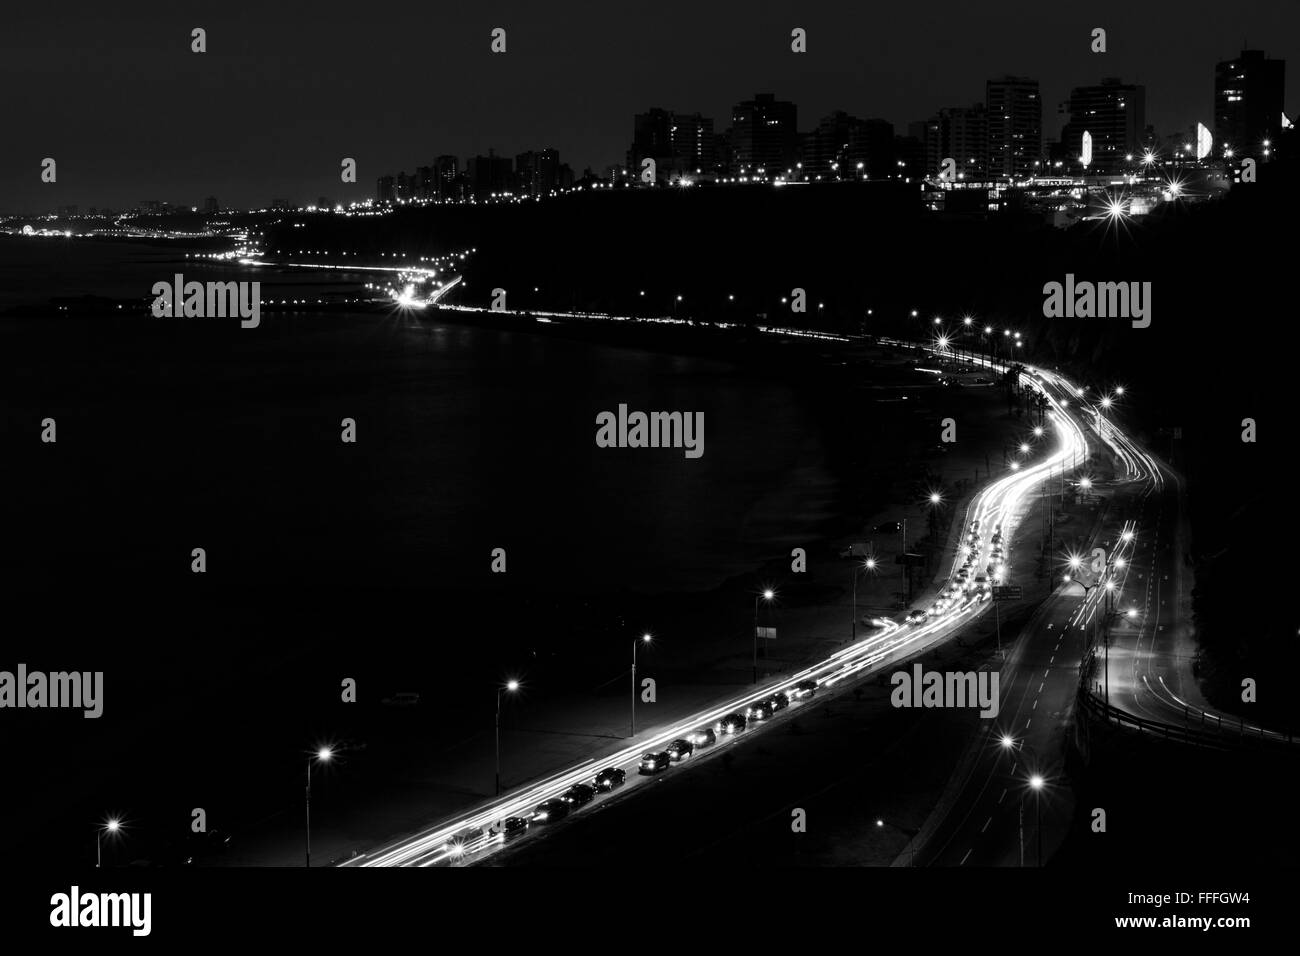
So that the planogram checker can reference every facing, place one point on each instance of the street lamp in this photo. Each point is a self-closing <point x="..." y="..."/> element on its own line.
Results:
<point x="110" y="826"/>
<point x="767" y="595"/>
<point x="1036" y="782"/>
<point x="511" y="686"/>
<point x="906" y="831"/>
<point x="323" y="755"/>
<point x="869" y="564"/>
<point x="645" y="639"/>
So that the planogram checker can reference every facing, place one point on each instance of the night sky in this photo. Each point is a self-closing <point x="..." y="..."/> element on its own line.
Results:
<point x="285" y="91"/>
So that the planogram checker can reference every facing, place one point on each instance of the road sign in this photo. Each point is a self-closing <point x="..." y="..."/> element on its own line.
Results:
<point x="911" y="559"/>
<point x="766" y="632"/>
<point x="1007" y="592"/>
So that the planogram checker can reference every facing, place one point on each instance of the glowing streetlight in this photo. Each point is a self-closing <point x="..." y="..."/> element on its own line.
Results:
<point x="110" y="826"/>
<point x="767" y="595"/>
<point x="645" y="639"/>
<point x="322" y="755"/>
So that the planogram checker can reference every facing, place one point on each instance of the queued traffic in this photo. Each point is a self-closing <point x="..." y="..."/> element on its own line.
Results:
<point x="978" y="566"/>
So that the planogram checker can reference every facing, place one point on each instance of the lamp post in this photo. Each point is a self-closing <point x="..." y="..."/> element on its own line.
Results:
<point x="767" y="595"/>
<point x="645" y="639"/>
<point x="511" y="686"/>
<point x="869" y="564"/>
<point x="112" y="825"/>
<point x="1036" y="782"/>
<point x="323" y="755"/>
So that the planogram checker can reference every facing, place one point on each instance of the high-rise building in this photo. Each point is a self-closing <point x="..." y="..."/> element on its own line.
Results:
<point x="448" y="172"/>
<point x="959" y="133"/>
<point x="694" y="147"/>
<point x="426" y="183"/>
<point x="1015" y="127"/>
<point x="489" y="175"/>
<point x="210" y="205"/>
<point x="679" y="144"/>
<point x="764" y="136"/>
<point x="845" y="147"/>
<point x="1248" y="103"/>
<point x="537" y="173"/>
<point x="652" y="138"/>
<point x="1114" y="114"/>
<point x="386" y="189"/>
<point x="405" y="187"/>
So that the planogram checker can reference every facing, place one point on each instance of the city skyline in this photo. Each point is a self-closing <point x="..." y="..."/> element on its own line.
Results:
<point x="528" y="100"/>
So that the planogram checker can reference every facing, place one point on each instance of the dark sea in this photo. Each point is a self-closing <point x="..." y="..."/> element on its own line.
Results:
<point x="370" y="560"/>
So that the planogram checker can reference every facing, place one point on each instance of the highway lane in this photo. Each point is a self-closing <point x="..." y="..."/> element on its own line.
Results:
<point x="1148" y="676"/>
<point x="1001" y="503"/>
<point x="990" y="815"/>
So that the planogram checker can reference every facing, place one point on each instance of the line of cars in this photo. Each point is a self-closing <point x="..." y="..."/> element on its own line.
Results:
<point x="967" y="581"/>
<point x="611" y="778"/>
<point x="683" y="747"/>
<point x="550" y="811"/>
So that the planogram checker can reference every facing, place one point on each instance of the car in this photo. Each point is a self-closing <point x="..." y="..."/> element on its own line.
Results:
<point x="704" y="737"/>
<point x="514" y="826"/>
<point x="759" y="710"/>
<point x="609" y="778"/>
<point x="732" y="723"/>
<point x="654" y="762"/>
<point x="916" y="616"/>
<point x="780" y="700"/>
<point x="803" y="689"/>
<point x="936" y="608"/>
<point x="466" y="841"/>
<point x="551" y="811"/>
<point x="680" y="749"/>
<point x="579" y="795"/>
<point x="982" y="582"/>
